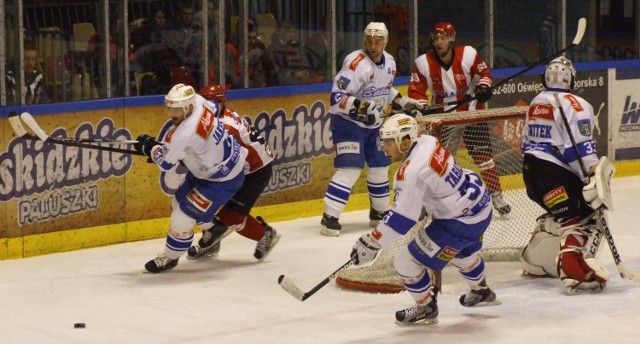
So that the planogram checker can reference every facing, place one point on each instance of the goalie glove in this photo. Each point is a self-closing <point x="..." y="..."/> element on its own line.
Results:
<point x="597" y="191"/>
<point x="411" y="104"/>
<point x="365" y="249"/>
<point x="483" y="93"/>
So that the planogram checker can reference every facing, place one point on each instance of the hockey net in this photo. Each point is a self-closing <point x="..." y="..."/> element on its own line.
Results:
<point x="507" y="234"/>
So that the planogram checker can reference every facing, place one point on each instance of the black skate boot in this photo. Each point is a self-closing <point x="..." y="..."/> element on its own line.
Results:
<point x="268" y="241"/>
<point x="417" y="314"/>
<point x="499" y="204"/>
<point x="376" y="216"/>
<point x="481" y="296"/>
<point x="209" y="243"/>
<point x="160" y="264"/>
<point x="330" y="225"/>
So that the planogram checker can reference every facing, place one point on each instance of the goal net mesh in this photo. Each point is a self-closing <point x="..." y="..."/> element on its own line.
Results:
<point x="507" y="234"/>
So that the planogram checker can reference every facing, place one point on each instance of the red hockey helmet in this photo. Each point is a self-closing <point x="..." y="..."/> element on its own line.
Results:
<point x="214" y="92"/>
<point x="444" y="28"/>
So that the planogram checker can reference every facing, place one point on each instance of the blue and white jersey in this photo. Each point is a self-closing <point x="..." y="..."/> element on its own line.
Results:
<point x="430" y="178"/>
<point x="360" y="78"/>
<point x="202" y="144"/>
<point x="545" y="135"/>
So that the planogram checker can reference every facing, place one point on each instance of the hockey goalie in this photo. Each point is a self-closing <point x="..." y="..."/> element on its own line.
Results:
<point x="558" y="146"/>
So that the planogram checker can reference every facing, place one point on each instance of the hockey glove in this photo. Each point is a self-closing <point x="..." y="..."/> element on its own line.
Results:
<point x="367" y="112"/>
<point x="483" y="93"/>
<point x="410" y="103"/>
<point x="145" y="144"/>
<point x="365" y="249"/>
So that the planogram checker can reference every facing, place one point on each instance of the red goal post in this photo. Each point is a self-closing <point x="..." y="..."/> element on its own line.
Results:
<point x="507" y="235"/>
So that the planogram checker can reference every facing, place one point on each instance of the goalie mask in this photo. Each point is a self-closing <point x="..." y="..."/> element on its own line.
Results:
<point x="559" y="74"/>
<point x="399" y="126"/>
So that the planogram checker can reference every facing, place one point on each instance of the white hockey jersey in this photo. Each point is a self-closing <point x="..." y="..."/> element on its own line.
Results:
<point x="202" y="144"/>
<point x="430" y="179"/>
<point x="258" y="152"/>
<point x="360" y="78"/>
<point x="546" y="137"/>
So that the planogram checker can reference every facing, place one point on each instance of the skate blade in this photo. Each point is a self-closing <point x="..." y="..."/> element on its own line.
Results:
<point x="487" y="304"/>
<point x="273" y="244"/>
<point x="425" y="322"/>
<point x="202" y="254"/>
<point x="329" y="232"/>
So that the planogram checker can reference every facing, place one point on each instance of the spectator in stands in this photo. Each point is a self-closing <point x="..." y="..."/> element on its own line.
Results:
<point x="287" y="57"/>
<point x="34" y="85"/>
<point x="149" y="30"/>
<point x="262" y="71"/>
<point x="185" y="37"/>
<point x="318" y="54"/>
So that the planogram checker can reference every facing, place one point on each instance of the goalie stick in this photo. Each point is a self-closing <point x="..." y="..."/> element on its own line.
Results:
<point x="600" y="217"/>
<point x="582" y="27"/>
<point x="294" y="291"/>
<point x="19" y="129"/>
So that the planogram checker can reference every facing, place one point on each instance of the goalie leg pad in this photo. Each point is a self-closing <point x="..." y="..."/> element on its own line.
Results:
<point x="539" y="256"/>
<point x="577" y="266"/>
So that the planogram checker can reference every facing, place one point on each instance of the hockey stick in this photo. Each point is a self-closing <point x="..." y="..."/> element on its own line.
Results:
<point x="624" y="272"/>
<point x="19" y="129"/>
<point x="33" y="125"/>
<point x="582" y="28"/>
<point x="294" y="291"/>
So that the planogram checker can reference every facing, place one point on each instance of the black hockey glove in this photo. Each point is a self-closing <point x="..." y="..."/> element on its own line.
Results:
<point x="145" y="144"/>
<point x="365" y="112"/>
<point x="483" y="93"/>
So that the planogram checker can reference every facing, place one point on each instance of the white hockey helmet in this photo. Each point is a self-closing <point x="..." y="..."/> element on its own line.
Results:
<point x="398" y="127"/>
<point x="560" y="74"/>
<point x="180" y="96"/>
<point x="376" y="29"/>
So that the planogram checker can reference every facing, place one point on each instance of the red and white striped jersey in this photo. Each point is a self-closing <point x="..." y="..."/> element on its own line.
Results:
<point x="449" y="83"/>
<point x="259" y="152"/>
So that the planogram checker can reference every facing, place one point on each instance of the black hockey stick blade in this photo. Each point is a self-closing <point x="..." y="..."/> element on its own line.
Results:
<point x="293" y="290"/>
<point x="81" y="145"/>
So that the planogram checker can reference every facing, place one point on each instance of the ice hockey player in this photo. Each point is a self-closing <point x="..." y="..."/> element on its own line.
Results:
<point x="214" y="160"/>
<point x="234" y="216"/>
<point x="448" y="71"/>
<point x="429" y="179"/>
<point x="361" y="91"/>
<point x="566" y="240"/>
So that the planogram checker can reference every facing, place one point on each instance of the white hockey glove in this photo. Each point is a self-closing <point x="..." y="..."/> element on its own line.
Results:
<point x="365" y="249"/>
<point x="410" y="104"/>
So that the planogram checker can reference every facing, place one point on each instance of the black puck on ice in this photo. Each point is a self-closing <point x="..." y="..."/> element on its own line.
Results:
<point x="79" y="325"/>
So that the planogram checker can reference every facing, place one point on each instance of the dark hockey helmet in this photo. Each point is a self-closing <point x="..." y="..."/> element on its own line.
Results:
<point x="444" y="28"/>
<point x="214" y="93"/>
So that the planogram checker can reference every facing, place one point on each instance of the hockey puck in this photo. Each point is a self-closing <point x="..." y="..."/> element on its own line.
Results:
<point x="79" y="325"/>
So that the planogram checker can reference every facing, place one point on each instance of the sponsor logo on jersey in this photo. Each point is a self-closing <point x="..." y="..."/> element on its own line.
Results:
<point x="448" y="253"/>
<point x="459" y="77"/>
<point x="169" y="135"/>
<point x="198" y="200"/>
<point x="372" y="92"/>
<point x="348" y="148"/>
<point x="555" y="196"/>
<point x="584" y="125"/>
<point x="354" y="64"/>
<point x="205" y="124"/>
<point x="574" y="102"/>
<point x="343" y="82"/>
<point x="630" y="120"/>
<point x="402" y="169"/>
<point x="439" y="160"/>
<point x="429" y="247"/>
<point x="542" y="112"/>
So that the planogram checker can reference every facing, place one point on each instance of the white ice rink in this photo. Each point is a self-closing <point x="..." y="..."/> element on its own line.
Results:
<point x="233" y="299"/>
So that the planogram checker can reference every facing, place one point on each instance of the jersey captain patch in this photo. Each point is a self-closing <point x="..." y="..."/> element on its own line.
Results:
<point x="205" y="125"/>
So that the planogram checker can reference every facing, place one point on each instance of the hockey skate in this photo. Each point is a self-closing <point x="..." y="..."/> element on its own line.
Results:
<point x="330" y="225"/>
<point x="375" y="217"/>
<point x="479" y="297"/>
<point x="268" y="241"/>
<point x="209" y="243"/>
<point x="160" y="264"/>
<point x="499" y="204"/>
<point x="417" y="314"/>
